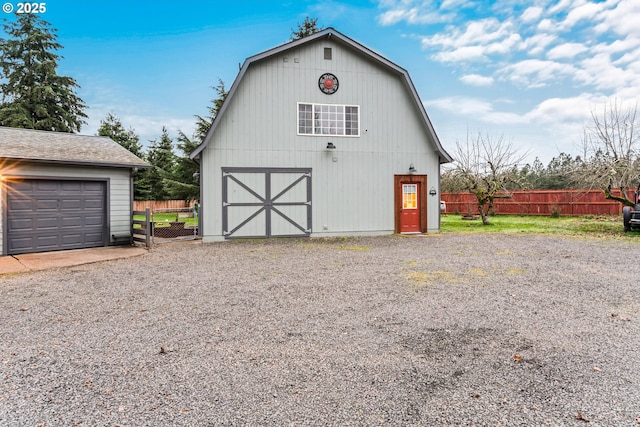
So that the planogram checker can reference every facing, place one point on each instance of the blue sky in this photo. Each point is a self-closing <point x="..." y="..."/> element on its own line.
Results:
<point x="529" y="70"/>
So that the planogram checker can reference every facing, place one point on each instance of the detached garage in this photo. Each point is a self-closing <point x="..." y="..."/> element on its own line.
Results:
<point x="63" y="191"/>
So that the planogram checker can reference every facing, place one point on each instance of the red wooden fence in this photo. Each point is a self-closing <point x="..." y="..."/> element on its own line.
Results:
<point x="140" y="205"/>
<point x="540" y="202"/>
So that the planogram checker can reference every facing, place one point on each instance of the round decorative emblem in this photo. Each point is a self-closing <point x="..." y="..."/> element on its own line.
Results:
<point x="328" y="83"/>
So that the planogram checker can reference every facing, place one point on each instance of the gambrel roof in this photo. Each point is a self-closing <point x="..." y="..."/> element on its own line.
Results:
<point x="65" y="148"/>
<point x="329" y="33"/>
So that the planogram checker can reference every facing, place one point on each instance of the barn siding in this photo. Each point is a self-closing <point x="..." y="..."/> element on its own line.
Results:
<point x="118" y="188"/>
<point x="353" y="194"/>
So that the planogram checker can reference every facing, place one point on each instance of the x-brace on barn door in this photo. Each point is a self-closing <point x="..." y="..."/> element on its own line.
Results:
<point x="266" y="202"/>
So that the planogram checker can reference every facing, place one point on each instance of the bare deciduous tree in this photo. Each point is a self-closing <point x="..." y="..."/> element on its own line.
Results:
<point x="486" y="166"/>
<point x="611" y="149"/>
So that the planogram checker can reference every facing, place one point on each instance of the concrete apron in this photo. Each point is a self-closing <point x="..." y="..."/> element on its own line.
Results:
<point x="41" y="261"/>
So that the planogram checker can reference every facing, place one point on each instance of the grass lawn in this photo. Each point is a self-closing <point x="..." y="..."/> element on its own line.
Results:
<point x="575" y="226"/>
<point x="162" y="219"/>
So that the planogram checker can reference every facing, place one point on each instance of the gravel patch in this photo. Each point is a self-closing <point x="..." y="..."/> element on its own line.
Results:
<point x="438" y="330"/>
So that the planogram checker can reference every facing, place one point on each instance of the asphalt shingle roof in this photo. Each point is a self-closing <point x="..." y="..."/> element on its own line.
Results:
<point x="60" y="147"/>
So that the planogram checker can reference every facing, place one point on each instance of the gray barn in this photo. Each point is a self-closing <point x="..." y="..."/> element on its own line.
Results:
<point x="320" y="137"/>
<point x="63" y="191"/>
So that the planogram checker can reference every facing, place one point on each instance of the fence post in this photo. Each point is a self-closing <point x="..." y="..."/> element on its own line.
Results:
<point x="145" y="228"/>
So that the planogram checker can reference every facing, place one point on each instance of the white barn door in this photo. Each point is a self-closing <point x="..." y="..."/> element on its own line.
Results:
<point x="266" y="202"/>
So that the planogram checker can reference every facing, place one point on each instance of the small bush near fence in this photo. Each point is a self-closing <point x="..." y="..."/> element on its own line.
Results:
<point x="540" y="202"/>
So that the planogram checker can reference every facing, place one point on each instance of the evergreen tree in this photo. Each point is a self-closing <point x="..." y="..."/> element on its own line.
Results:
<point x="34" y="96"/>
<point x="203" y="124"/>
<point x="186" y="182"/>
<point x="309" y="26"/>
<point x="162" y="160"/>
<point x="112" y="127"/>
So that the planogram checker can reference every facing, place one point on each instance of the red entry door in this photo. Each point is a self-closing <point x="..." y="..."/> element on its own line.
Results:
<point x="410" y="209"/>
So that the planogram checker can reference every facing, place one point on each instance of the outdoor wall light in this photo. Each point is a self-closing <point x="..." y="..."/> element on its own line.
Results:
<point x="412" y="169"/>
<point x="432" y="191"/>
<point x="330" y="146"/>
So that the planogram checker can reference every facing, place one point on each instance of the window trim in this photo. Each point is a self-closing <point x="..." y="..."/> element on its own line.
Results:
<point x="313" y="105"/>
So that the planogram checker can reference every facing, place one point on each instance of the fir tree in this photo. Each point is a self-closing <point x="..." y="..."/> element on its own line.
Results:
<point x="162" y="160"/>
<point x="309" y="26"/>
<point x="34" y="96"/>
<point x="112" y="127"/>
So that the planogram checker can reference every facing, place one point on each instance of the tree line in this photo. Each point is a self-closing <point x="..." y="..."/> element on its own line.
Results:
<point x="34" y="96"/>
<point x="172" y="174"/>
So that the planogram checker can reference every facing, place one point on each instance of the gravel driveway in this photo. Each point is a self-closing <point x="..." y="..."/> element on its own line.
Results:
<point x="438" y="330"/>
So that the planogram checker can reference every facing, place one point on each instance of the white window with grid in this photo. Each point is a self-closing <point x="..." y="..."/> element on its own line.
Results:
<point x="328" y="119"/>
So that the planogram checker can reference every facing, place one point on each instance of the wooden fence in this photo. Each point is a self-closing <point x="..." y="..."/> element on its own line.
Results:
<point x="540" y="202"/>
<point x="140" y="205"/>
<point x="144" y="227"/>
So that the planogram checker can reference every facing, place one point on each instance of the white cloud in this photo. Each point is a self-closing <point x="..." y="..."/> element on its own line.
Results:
<point x="462" y="105"/>
<point x="564" y="5"/>
<point x="532" y="73"/>
<point x="477" y="109"/>
<point x="559" y="110"/>
<point x="566" y="51"/>
<point x="405" y="11"/>
<point x="599" y="72"/>
<point x="479" y="39"/>
<point x="464" y="53"/>
<point x="532" y="13"/>
<point x="548" y="26"/>
<point x="622" y="19"/>
<point x="450" y="4"/>
<point x="538" y="43"/>
<point x="476" y="80"/>
<point x="587" y="11"/>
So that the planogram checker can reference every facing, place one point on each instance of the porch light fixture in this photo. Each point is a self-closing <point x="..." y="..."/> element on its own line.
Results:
<point x="331" y="146"/>
<point x="432" y="191"/>
<point x="412" y="169"/>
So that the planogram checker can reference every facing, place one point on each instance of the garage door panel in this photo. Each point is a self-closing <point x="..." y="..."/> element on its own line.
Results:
<point x="67" y="222"/>
<point x="21" y="244"/>
<point x="71" y="204"/>
<point x="73" y="187"/>
<point x="93" y="204"/>
<point x="93" y="238"/>
<point x="94" y="221"/>
<point x="48" y="242"/>
<point x="45" y="215"/>
<point x="43" y="205"/>
<point x="45" y="187"/>
<point x="70" y="239"/>
<point x="44" y="223"/>
<point x="95" y="187"/>
<point x="21" y="224"/>
<point x="24" y="187"/>
<point x="24" y="205"/>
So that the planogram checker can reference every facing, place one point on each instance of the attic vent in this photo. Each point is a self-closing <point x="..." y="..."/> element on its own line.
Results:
<point x="327" y="53"/>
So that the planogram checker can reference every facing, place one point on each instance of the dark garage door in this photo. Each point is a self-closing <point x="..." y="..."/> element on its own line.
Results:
<point x="49" y="215"/>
